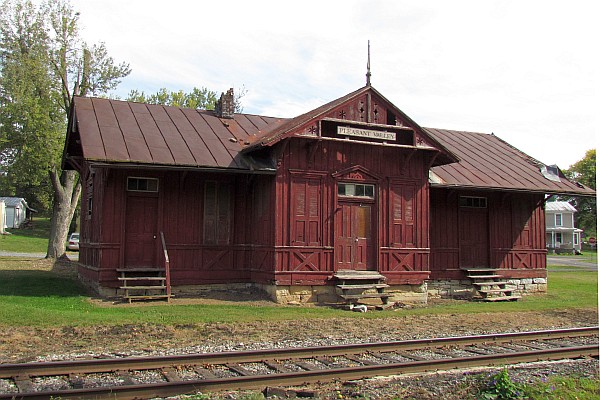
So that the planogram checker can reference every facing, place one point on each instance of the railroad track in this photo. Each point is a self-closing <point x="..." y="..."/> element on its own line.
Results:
<point x="147" y="377"/>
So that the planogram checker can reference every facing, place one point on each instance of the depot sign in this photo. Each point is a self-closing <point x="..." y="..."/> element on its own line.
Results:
<point x="366" y="133"/>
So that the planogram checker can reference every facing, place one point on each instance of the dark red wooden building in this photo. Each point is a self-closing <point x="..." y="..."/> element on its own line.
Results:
<point x="286" y="205"/>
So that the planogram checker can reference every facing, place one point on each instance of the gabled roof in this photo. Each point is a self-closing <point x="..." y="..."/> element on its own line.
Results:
<point x="559" y="206"/>
<point x="13" y="201"/>
<point x="275" y="133"/>
<point x="488" y="162"/>
<point x="113" y="131"/>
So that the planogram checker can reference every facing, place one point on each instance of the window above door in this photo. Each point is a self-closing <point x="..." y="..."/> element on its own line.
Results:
<point x="356" y="190"/>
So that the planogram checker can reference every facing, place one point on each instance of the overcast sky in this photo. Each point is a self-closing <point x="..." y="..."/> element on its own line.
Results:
<point x="525" y="70"/>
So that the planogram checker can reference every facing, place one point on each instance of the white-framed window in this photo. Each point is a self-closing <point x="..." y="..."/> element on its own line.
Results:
<point x="135" y="184"/>
<point x="576" y="239"/>
<point x="558" y="220"/>
<point x="558" y="239"/>
<point x="356" y="190"/>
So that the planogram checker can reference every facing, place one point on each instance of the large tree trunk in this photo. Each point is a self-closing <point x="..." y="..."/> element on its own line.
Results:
<point x="67" y="190"/>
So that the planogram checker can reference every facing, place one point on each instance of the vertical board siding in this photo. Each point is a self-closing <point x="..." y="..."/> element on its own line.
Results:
<point x="306" y="176"/>
<point x="181" y="216"/>
<point x="516" y="232"/>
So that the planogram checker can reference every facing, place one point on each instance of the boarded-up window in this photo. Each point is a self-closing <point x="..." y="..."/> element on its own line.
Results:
<point x="521" y="210"/>
<point x="403" y="215"/>
<point x="306" y="212"/>
<point x="217" y="213"/>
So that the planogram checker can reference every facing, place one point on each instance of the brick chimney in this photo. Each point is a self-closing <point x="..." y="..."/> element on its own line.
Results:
<point x="225" y="107"/>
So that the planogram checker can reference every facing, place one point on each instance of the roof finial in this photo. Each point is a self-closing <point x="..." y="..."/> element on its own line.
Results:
<point x="368" y="63"/>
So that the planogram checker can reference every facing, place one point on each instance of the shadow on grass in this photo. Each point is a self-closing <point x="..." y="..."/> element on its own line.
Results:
<point x="38" y="228"/>
<point x="30" y="283"/>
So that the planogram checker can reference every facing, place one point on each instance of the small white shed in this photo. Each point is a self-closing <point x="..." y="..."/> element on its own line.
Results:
<point x="15" y="211"/>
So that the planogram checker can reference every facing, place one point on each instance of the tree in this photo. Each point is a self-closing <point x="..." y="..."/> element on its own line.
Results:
<point x="584" y="172"/>
<point x="43" y="63"/>
<point x="198" y="98"/>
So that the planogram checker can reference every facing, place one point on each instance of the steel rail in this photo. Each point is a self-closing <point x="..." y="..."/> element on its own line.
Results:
<point x="130" y="363"/>
<point x="295" y="378"/>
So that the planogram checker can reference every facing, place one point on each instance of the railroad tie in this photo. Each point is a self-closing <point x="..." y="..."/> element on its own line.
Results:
<point x="76" y="381"/>
<point x="23" y="383"/>
<point x="204" y="373"/>
<point x="170" y="374"/>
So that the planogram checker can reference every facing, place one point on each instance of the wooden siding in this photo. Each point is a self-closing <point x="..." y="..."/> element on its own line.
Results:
<point x="515" y="226"/>
<point x="247" y="251"/>
<point x="307" y="206"/>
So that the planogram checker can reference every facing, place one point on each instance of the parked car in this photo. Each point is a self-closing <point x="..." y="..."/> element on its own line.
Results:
<point x="73" y="242"/>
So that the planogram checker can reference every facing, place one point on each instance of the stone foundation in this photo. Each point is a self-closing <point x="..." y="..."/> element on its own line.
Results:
<point x="281" y="294"/>
<point x="408" y="294"/>
<point x="463" y="289"/>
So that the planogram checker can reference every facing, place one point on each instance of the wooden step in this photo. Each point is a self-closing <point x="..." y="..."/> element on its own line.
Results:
<point x="365" y="296"/>
<point x="358" y="275"/>
<point x="143" y="287"/>
<point x="364" y="286"/>
<point x="141" y="269"/>
<point x="495" y="290"/>
<point x="142" y="278"/>
<point x="491" y="283"/>
<point x="484" y="276"/>
<point x="148" y="297"/>
<point x="480" y="269"/>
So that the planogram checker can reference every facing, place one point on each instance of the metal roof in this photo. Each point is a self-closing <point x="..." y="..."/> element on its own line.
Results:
<point x="114" y="131"/>
<point x="554" y="206"/>
<point x="488" y="162"/>
<point x="127" y="133"/>
<point x="13" y="201"/>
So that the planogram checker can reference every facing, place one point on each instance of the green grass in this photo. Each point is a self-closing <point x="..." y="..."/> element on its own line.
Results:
<point x="574" y="388"/>
<point x="37" y="296"/>
<point x="28" y="240"/>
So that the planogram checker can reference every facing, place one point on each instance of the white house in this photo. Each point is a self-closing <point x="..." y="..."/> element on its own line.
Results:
<point x="15" y="211"/>
<point x="561" y="232"/>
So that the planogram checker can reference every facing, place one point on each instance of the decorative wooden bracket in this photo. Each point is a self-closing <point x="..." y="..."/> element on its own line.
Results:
<point x="312" y="147"/>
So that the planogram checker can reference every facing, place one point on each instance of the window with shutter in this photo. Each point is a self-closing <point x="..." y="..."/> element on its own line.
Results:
<point x="306" y="212"/>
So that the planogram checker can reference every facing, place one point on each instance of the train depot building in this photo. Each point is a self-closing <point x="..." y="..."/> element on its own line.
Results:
<point x="351" y="200"/>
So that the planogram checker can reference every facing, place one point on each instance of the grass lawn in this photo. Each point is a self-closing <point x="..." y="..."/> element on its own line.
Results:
<point x="32" y="293"/>
<point x="28" y="240"/>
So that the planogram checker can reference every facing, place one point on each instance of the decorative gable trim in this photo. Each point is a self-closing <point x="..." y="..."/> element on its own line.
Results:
<point x="356" y="173"/>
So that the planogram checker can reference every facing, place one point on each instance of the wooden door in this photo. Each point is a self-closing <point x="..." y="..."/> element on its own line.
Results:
<point x="141" y="235"/>
<point x="354" y="249"/>
<point x="474" y="242"/>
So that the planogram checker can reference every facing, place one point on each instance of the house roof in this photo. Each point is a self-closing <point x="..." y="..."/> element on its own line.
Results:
<point x="13" y="201"/>
<point x="114" y="131"/>
<point x="554" y="206"/>
<point x="488" y="162"/>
